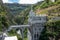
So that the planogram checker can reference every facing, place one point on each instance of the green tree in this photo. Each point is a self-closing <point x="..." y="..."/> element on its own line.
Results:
<point x="53" y="29"/>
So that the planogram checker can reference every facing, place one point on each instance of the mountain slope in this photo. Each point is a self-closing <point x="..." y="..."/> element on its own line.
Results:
<point x="17" y="12"/>
<point x="15" y="8"/>
<point x="48" y="8"/>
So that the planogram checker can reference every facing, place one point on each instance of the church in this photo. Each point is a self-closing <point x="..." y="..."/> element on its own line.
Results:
<point x="36" y="23"/>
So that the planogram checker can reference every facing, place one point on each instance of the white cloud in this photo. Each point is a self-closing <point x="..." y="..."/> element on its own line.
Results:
<point x="28" y="1"/>
<point x="5" y="1"/>
<point x="24" y="1"/>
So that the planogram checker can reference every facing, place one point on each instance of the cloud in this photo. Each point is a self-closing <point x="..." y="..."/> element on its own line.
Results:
<point x="28" y="1"/>
<point x="22" y="1"/>
<point x="5" y="1"/>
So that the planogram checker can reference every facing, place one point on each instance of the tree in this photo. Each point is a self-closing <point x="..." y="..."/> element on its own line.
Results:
<point x="53" y="29"/>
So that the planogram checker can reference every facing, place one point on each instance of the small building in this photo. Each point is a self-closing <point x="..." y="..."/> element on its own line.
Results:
<point x="11" y="38"/>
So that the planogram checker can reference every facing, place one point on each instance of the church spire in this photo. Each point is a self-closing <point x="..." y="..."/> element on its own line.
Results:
<point x="31" y="13"/>
<point x="32" y="7"/>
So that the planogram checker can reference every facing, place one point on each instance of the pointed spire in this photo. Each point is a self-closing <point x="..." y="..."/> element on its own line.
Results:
<point x="32" y="7"/>
<point x="31" y="13"/>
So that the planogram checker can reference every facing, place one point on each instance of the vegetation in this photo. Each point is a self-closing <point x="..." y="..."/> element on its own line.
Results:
<point x="52" y="28"/>
<point x="4" y="21"/>
<point x="51" y="31"/>
<point x="7" y="19"/>
<point x="45" y="4"/>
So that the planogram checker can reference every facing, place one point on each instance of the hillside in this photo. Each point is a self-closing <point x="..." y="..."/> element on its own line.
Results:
<point x="17" y="12"/>
<point x="15" y="8"/>
<point x="4" y="21"/>
<point x="46" y="10"/>
<point x="13" y="14"/>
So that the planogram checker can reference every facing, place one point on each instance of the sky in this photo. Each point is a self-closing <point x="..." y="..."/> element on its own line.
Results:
<point x="22" y="1"/>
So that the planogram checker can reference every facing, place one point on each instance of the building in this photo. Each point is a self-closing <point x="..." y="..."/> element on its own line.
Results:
<point x="36" y="25"/>
<point x="11" y="38"/>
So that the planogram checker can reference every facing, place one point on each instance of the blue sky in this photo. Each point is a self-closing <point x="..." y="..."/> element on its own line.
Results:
<point x="22" y="1"/>
<point x="13" y="0"/>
